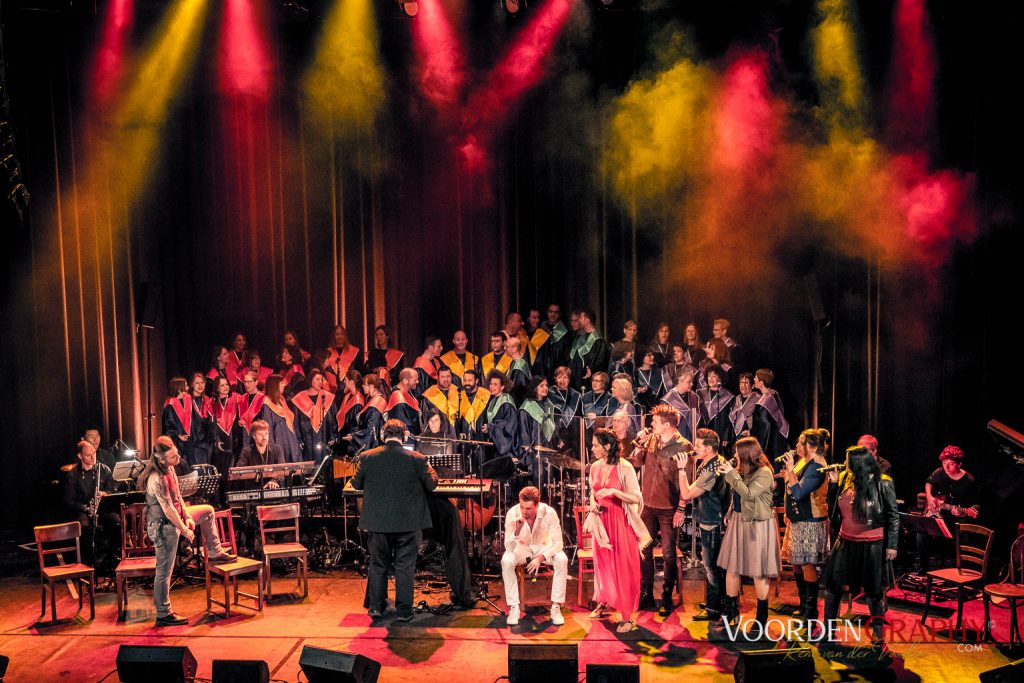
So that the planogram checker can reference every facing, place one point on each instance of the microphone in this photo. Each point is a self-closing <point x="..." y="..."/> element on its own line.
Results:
<point x="783" y="456"/>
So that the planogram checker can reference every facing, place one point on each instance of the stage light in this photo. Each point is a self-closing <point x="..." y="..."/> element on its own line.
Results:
<point x="513" y="6"/>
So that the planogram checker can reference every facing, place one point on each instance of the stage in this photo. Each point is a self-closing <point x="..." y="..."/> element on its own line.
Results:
<point x="458" y="646"/>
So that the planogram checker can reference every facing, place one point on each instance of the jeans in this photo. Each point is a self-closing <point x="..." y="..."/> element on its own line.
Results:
<point x="385" y="548"/>
<point x="654" y="519"/>
<point x="165" y="540"/>
<point x="714" y="576"/>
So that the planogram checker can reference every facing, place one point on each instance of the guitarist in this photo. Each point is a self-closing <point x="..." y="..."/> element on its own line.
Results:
<point x="950" y="491"/>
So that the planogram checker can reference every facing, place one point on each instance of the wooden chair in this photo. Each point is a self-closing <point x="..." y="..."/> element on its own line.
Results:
<point x="229" y="572"/>
<point x="138" y="556"/>
<point x="965" y="555"/>
<point x="58" y="537"/>
<point x="584" y="554"/>
<point x="283" y="519"/>
<point x="1010" y="590"/>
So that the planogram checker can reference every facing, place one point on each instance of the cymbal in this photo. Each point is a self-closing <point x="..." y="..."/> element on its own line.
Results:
<point x="565" y="461"/>
<point x="545" y="449"/>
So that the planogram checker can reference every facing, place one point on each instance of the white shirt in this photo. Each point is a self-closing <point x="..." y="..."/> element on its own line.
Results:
<point x="543" y="538"/>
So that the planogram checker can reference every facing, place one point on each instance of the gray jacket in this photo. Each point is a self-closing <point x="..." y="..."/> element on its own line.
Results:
<point x="755" y="493"/>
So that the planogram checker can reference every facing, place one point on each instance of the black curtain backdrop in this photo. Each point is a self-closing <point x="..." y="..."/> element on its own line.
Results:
<point x="385" y="230"/>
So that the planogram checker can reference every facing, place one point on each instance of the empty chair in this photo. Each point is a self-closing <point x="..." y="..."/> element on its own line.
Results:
<point x="281" y="524"/>
<point x="138" y="556"/>
<point x="229" y="572"/>
<point x="52" y="541"/>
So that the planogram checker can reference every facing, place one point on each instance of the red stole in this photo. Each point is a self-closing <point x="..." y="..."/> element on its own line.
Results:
<point x="308" y="407"/>
<point x="339" y="363"/>
<point x="183" y="411"/>
<point x="263" y="373"/>
<point x="204" y="407"/>
<point x="226" y="414"/>
<point x="283" y="411"/>
<point x="350" y="402"/>
<point x="393" y="357"/>
<point x="377" y="402"/>
<point x="398" y="396"/>
<point x="173" y="492"/>
<point x="291" y="373"/>
<point x="428" y="366"/>
<point x="230" y="372"/>
<point x="249" y="408"/>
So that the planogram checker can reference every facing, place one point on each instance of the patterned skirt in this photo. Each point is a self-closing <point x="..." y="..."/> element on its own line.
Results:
<point x="750" y="548"/>
<point x="806" y="543"/>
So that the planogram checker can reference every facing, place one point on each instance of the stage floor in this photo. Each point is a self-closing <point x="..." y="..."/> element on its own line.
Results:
<point x="459" y="646"/>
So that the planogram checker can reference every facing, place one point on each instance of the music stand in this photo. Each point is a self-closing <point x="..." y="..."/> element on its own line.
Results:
<point x="126" y="470"/>
<point x="932" y="526"/>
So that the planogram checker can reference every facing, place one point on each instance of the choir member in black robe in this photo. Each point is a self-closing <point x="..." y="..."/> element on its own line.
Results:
<point x="519" y="372"/>
<point x="366" y="436"/>
<point x="716" y="354"/>
<point x="227" y="433"/>
<point x="650" y="385"/>
<point x="568" y="404"/>
<point x="186" y="419"/>
<point x="222" y="367"/>
<point x="537" y="338"/>
<point x="720" y="330"/>
<point x="598" y="403"/>
<point x="403" y="404"/>
<point x="741" y="412"/>
<point x="693" y="349"/>
<point x="292" y="376"/>
<point x="501" y="420"/>
<point x="238" y="358"/>
<point x="496" y="358"/>
<point x="256" y="366"/>
<point x="555" y="352"/>
<point x="250" y="406"/>
<point x="278" y="413"/>
<point x="715" y="402"/>
<point x="383" y="360"/>
<point x="660" y="346"/>
<point x="338" y="358"/>
<point x="624" y="351"/>
<point x="514" y="330"/>
<point x="622" y="395"/>
<point x="590" y="353"/>
<point x="291" y="340"/>
<point x="427" y="365"/>
<point x="442" y="399"/>
<point x="769" y="425"/>
<point x="537" y="427"/>
<point x="349" y="404"/>
<point x="315" y="418"/>
<point x="472" y="412"/>
<point x="459" y="359"/>
<point x="685" y="401"/>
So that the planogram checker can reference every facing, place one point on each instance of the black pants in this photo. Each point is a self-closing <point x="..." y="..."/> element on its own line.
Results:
<point x="385" y="549"/>
<point x="655" y="519"/>
<point x="447" y="529"/>
<point x="107" y="538"/>
<point x="714" y="576"/>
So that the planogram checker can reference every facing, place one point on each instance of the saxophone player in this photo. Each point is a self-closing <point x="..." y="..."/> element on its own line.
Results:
<point x="84" y="484"/>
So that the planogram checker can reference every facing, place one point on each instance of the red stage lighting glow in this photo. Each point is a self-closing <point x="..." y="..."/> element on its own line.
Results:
<point x="746" y="128"/>
<point x="911" y="76"/>
<point x="442" y="70"/>
<point x="937" y="208"/>
<point x="245" y="65"/>
<point x="110" y="57"/>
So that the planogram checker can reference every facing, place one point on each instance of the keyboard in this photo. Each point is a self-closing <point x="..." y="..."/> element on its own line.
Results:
<point x="446" y="488"/>
<point x="276" y="495"/>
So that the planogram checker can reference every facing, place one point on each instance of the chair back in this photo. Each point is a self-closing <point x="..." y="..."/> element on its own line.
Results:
<point x="226" y="530"/>
<point x="278" y="519"/>
<point x="53" y="539"/>
<point x="973" y="557"/>
<point x="135" y="542"/>
<point x="584" y="539"/>
<point x="1016" y="575"/>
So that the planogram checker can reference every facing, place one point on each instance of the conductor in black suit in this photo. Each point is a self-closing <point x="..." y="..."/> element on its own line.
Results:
<point x="395" y="483"/>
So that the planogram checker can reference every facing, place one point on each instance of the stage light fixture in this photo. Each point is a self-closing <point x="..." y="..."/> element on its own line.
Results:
<point x="513" y="6"/>
<point x="411" y="8"/>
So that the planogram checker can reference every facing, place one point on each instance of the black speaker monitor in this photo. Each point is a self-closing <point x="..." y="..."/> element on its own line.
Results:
<point x="613" y="673"/>
<point x="770" y="666"/>
<point x="240" y="671"/>
<point x="327" y="666"/>
<point x="155" y="664"/>
<point x="553" y="663"/>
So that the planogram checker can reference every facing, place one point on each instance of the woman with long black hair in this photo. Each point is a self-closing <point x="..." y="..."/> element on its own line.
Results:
<point x="866" y="510"/>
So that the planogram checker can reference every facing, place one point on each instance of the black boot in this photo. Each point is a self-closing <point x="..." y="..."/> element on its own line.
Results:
<point x="877" y="611"/>
<point x="730" y="614"/>
<point x="801" y="588"/>
<point x="811" y="608"/>
<point x="646" y="598"/>
<point x="761" y="617"/>
<point x="832" y="602"/>
<point x="667" y="603"/>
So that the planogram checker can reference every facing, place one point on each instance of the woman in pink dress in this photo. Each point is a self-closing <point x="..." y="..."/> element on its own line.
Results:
<point x="618" y="533"/>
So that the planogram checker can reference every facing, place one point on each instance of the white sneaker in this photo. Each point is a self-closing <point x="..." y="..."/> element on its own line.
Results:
<point x="556" y="615"/>
<point x="513" y="615"/>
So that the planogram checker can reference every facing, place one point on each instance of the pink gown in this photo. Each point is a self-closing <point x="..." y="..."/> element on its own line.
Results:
<point x="616" y="569"/>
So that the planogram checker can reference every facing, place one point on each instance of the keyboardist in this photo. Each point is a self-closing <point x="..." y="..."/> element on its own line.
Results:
<point x="262" y="452"/>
